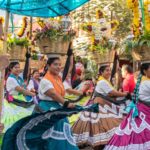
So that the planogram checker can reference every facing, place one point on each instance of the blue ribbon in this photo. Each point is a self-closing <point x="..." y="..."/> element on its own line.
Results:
<point x="132" y="107"/>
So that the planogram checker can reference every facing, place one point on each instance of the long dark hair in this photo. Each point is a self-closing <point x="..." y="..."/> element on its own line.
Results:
<point x="34" y="71"/>
<point x="9" y="68"/>
<point x="144" y="67"/>
<point x="102" y="69"/>
<point x="128" y="68"/>
<point x="49" y="62"/>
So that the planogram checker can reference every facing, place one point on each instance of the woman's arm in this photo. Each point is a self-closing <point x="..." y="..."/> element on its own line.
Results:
<point x="24" y="91"/>
<point x="30" y="86"/>
<point x="58" y="98"/>
<point x="55" y="96"/>
<point x="117" y="93"/>
<point x="73" y="91"/>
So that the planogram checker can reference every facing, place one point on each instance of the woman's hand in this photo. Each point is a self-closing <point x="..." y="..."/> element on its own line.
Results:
<point x="1" y="127"/>
<point x="33" y="90"/>
<point x="88" y="93"/>
<point x="71" y="105"/>
<point x="128" y="96"/>
<point x="33" y="94"/>
<point x="67" y="104"/>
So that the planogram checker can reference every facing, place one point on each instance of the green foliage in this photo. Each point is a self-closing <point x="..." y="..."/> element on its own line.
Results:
<point x="53" y="34"/>
<point x="144" y="39"/>
<point x="18" y="41"/>
<point x="116" y="9"/>
<point x="103" y="46"/>
<point x="101" y="49"/>
<point x="136" y="44"/>
<point x="34" y="56"/>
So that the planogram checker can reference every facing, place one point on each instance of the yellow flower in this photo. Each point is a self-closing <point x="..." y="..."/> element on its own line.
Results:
<point x="99" y="14"/>
<point x="1" y="20"/>
<point x="129" y="3"/>
<point x="23" y="28"/>
<point x="40" y="23"/>
<point x="92" y="39"/>
<point x="114" y="24"/>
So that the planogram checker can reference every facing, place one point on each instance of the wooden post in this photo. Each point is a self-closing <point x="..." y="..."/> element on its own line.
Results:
<point x="6" y="32"/>
<point x="2" y="71"/>
<point x="31" y="21"/>
<point x="134" y="66"/>
<point x="1" y="91"/>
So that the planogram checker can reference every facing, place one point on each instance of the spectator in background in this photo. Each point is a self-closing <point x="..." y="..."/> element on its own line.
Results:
<point x="77" y="78"/>
<point x="79" y="64"/>
<point x="129" y="81"/>
<point x="34" y="81"/>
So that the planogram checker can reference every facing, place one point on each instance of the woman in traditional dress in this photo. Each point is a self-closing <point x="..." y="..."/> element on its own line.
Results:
<point x="51" y="93"/>
<point x="34" y="81"/>
<point x="15" y="89"/>
<point x="134" y="131"/>
<point x="46" y="129"/>
<point x="96" y="129"/>
<point x="85" y="88"/>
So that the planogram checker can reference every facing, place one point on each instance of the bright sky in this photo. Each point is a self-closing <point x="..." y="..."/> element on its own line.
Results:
<point x="2" y="13"/>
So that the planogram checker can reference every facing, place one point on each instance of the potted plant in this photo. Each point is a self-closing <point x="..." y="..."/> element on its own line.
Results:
<point x="140" y="48"/>
<point x="17" y="48"/>
<point x="102" y="50"/>
<point x="53" y="39"/>
<point x="36" y="62"/>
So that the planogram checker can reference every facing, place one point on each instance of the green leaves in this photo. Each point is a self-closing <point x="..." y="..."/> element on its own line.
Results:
<point x="53" y="34"/>
<point x="143" y="40"/>
<point x="34" y="56"/>
<point x="18" y="41"/>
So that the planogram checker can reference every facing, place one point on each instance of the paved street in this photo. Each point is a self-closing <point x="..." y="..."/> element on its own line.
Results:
<point x="87" y="148"/>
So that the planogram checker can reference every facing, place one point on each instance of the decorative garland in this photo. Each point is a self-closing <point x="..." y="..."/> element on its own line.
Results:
<point x="23" y="28"/>
<point x="114" y="25"/>
<point x="1" y="27"/>
<point x="1" y="20"/>
<point x="147" y="15"/>
<point x="41" y="23"/>
<point x="99" y="14"/>
<point x="100" y="31"/>
<point x="141" y="15"/>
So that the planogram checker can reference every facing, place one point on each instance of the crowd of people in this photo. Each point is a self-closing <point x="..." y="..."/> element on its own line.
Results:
<point x="121" y="123"/>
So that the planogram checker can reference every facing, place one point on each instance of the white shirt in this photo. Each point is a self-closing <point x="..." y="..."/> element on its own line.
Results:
<point x="30" y="85"/>
<point x="67" y="84"/>
<point x="144" y="91"/>
<point x="44" y="86"/>
<point x="11" y="85"/>
<point x="103" y="87"/>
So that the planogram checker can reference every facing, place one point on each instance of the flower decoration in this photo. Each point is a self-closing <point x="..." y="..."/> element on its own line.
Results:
<point x="1" y="20"/>
<point x="40" y="22"/>
<point x="87" y="27"/>
<point x="138" y="14"/>
<point x="52" y="30"/>
<point x="23" y="28"/>
<point x="99" y="14"/>
<point x="1" y="27"/>
<point x="147" y="14"/>
<point x="136" y="24"/>
<point x="114" y="24"/>
<point x="11" y="41"/>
